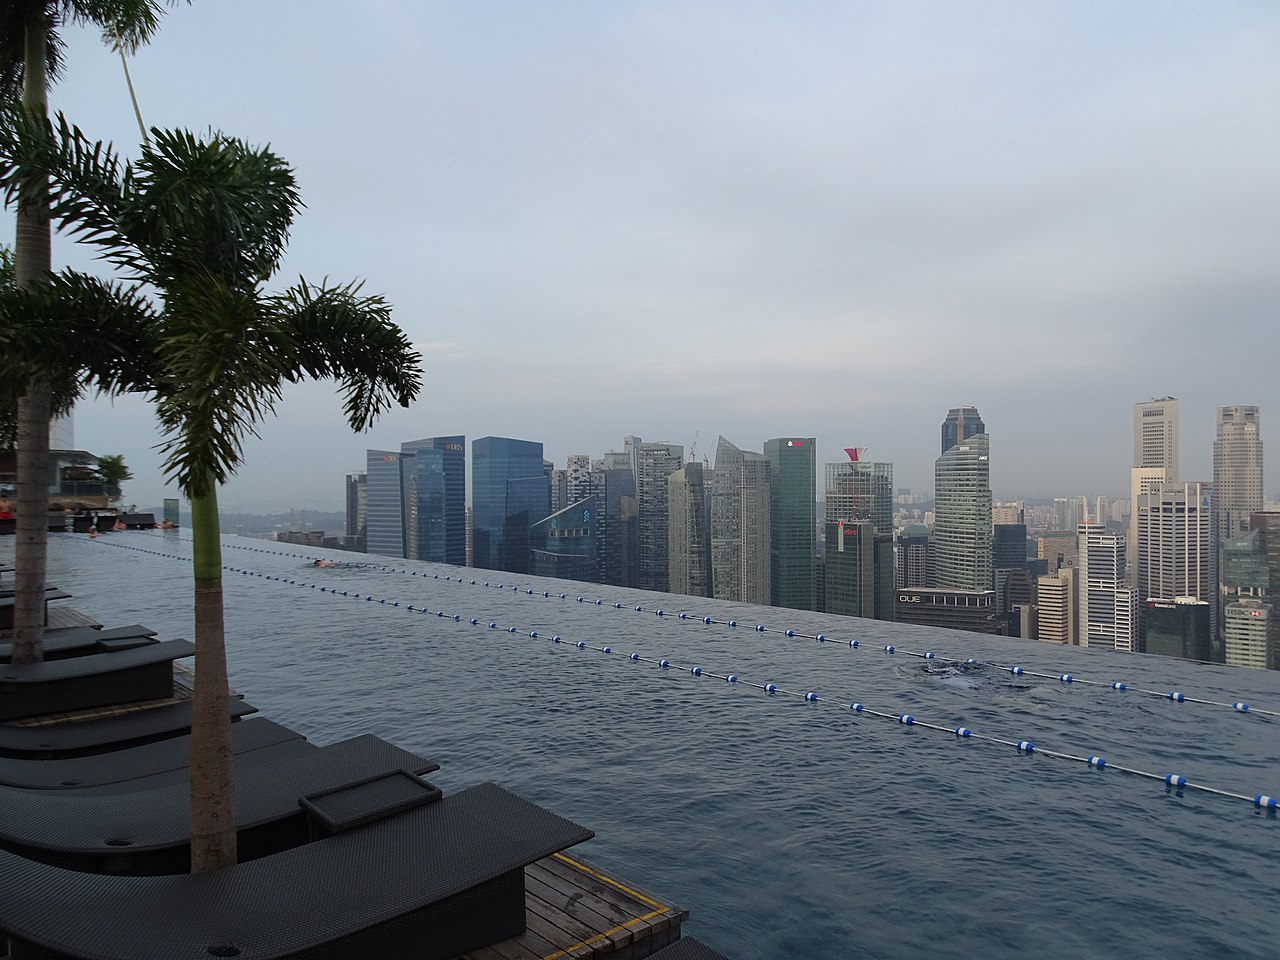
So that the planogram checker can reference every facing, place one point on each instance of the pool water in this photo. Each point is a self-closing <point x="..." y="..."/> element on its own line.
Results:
<point x="788" y="827"/>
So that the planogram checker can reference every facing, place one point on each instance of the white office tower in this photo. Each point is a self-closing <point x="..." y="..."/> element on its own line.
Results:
<point x="1247" y="636"/>
<point x="1237" y="469"/>
<point x="1155" y="435"/>
<point x="1175" y="544"/>
<point x="1108" y="615"/>
<point x="961" y="544"/>
<point x="1155" y="460"/>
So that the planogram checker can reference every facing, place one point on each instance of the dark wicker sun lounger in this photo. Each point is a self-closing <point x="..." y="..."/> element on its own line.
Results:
<point x="80" y="641"/>
<point x="7" y="604"/>
<point x="431" y="883"/>
<point x="95" y="680"/>
<point x="687" y="948"/>
<point x="149" y="831"/>
<point x="149" y="765"/>
<point x="89" y="737"/>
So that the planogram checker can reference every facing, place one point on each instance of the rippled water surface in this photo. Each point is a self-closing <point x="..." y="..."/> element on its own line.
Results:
<point x="787" y="828"/>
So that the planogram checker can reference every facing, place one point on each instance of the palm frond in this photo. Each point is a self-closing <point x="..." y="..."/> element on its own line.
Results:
<point x="13" y="23"/>
<point x="219" y="204"/>
<point x="126" y="24"/>
<point x="222" y="375"/>
<point x="89" y="186"/>
<point x="101" y="335"/>
<point x="336" y="333"/>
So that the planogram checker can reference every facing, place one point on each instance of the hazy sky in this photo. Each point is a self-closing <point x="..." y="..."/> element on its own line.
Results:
<point x="685" y="219"/>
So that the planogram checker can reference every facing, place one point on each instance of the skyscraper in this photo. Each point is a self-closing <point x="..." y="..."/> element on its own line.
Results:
<point x="1175" y="545"/>
<point x="1108" y="615"/>
<point x="433" y="489"/>
<point x="564" y="544"/>
<point x="740" y="504"/>
<point x="961" y="544"/>
<point x="860" y="490"/>
<point x="912" y="557"/>
<point x="1155" y="435"/>
<point x="384" y="518"/>
<point x="509" y="494"/>
<point x="793" y="519"/>
<point x="1237" y="469"/>
<point x="1155" y="460"/>
<point x="357" y="511"/>
<point x="689" y="537"/>
<point x="1058" y="607"/>
<point x="961" y="423"/>
<point x="415" y="500"/>
<point x="652" y="464"/>
<point x="851" y="556"/>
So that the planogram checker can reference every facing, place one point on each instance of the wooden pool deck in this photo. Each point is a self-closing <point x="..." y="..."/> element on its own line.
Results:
<point x="575" y="910"/>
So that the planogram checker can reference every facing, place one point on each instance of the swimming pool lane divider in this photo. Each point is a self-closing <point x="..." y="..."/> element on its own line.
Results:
<point x="1176" y="696"/>
<point x="1174" y="782"/>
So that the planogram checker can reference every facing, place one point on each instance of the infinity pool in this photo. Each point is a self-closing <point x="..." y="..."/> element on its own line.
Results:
<point x="788" y="826"/>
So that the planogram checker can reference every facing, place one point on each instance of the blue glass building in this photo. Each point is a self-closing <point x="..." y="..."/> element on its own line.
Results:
<point x="433" y="483"/>
<point x="509" y="494"/>
<point x="564" y="545"/>
<point x="417" y="500"/>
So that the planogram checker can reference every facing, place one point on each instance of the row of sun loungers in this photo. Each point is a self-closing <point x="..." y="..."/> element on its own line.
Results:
<point x="345" y="850"/>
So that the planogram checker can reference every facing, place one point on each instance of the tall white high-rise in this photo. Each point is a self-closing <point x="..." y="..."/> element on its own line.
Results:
<point x="1237" y="469"/>
<point x="961" y="543"/>
<point x="1175" y="544"/>
<point x="1108" y="614"/>
<point x="1155" y="435"/>
<point x="1155" y="460"/>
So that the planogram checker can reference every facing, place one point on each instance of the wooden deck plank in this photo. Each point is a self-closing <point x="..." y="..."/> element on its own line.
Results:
<point x="604" y="914"/>
<point x="536" y="944"/>
<point x="579" y="919"/>
<point x="554" y="935"/>
<point x="627" y="904"/>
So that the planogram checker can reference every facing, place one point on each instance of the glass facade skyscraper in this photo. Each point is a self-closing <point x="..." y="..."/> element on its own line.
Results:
<point x="740" y="503"/>
<point x="384" y="514"/>
<point x="793" y="521"/>
<point x="1237" y="469"/>
<point x="860" y="490"/>
<point x="961" y="542"/>
<point x="434" y="488"/>
<point x="416" y="500"/>
<point x="509" y="494"/>
<point x="652" y="464"/>
<point x="961" y="423"/>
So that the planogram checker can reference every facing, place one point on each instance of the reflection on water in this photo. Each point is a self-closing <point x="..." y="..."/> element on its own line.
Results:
<point x="788" y="828"/>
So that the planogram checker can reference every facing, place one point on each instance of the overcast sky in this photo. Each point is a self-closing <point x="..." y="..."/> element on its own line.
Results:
<point x="685" y="219"/>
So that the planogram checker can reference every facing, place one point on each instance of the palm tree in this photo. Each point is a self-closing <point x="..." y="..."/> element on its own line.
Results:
<point x="31" y="55"/>
<point x="204" y="223"/>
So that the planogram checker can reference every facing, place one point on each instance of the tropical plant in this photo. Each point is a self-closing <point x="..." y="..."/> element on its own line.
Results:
<point x="31" y="55"/>
<point x="112" y="472"/>
<point x="205" y="222"/>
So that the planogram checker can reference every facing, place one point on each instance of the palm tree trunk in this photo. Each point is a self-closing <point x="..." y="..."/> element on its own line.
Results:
<point x="33" y="261"/>
<point x="213" y="819"/>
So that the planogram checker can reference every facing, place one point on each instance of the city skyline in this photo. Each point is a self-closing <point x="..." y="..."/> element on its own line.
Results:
<point x="822" y="220"/>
